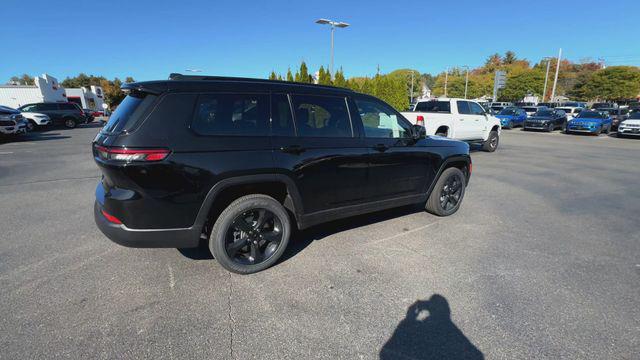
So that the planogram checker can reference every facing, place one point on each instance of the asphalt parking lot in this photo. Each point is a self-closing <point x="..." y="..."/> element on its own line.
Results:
<point x="542" y="261"/>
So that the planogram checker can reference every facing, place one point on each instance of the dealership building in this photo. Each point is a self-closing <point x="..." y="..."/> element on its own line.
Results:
<point x="47" y="89"/>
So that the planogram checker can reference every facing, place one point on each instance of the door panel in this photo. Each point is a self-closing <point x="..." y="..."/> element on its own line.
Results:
<point x="329" y="171"/>
<point x="398" y="166"/>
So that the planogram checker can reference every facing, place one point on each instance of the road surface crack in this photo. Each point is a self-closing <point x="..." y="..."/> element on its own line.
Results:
<point x="231" y="321"/>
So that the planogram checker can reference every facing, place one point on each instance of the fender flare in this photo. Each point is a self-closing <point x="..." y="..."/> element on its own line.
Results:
<point x="293" y="201"/>
<point x="443" y="166"/>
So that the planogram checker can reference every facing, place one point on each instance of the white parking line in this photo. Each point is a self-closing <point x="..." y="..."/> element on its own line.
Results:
<point x="6" y="153"/>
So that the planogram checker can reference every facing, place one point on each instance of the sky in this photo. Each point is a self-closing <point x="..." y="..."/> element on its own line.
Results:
<point x="150" y="39"/>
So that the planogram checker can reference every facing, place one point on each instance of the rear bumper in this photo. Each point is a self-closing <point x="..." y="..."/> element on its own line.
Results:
<point x="145" y="238"/>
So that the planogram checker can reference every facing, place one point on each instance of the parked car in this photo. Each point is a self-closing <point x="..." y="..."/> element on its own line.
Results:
<point x="578" y="104"/>
<point x="618" y="115"/>
<point x="549" y="105"/>
<point x="68" y="114"/>
<point x="546" y="119"/>
<point x="630" y="126"/>
<point x="36" y="120"/>
<point x="459" y="119"/>
<point x="590" y="121"/>
<point x="11" y="121"/>
<point x="571" y="111"/>
<point x="511" y="117"/>
<point x="530" y="110"/>
<point x="241" y="162"/>
<point x="604" y="105"/>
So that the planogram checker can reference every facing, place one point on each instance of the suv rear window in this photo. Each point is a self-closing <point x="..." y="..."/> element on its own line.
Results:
<point x="128" y="113"/>
<point x="232" y="114"/>
<point x="434" y="106"/>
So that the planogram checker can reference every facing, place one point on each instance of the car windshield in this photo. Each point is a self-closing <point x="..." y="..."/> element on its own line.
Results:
<point x="544" y="113"/>
<point x="530" y="109"/>
<point x="568" y="111"/>
<point x="635" y="115"/>
<point x="508" y="111"/>
<point x="590" y="115"/>
<point x="434" y="106"/>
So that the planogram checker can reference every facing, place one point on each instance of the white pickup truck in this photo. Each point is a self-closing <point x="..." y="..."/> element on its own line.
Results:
<point x="459" y="119"/>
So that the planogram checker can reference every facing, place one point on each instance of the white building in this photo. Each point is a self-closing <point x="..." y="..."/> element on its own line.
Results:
<point x="88" y="97"/>
<point x="46" y="89"/>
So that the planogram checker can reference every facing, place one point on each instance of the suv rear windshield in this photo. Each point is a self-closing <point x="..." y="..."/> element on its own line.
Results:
<point x="434" y="106"/>
<point x="129" y="112"/>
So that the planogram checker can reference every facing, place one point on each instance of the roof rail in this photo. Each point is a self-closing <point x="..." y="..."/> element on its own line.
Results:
<point x="177" y="76"/>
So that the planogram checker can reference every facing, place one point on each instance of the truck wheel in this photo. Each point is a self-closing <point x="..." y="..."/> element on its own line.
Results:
<point x="447" y="194"/>
<point x="251" y="234"/>
<point x="70" y="123"/>
<point x="492" y="142"/>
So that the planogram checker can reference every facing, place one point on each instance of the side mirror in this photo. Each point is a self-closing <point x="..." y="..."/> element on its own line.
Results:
<point x="418" y="132"/>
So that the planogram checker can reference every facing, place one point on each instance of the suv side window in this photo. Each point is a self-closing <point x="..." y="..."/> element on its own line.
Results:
<point x="47" y="107"/>
<point x="476" y="109"/>
<point x="380" y="121"/>
<point x="321" y="116"/>
<point x="463" y="107"/>
<point x="281" y="119"/>
<point x="67" y="107"/>
<point x="232" y="114"/>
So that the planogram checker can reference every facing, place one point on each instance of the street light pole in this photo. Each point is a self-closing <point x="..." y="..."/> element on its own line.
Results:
<point x="334" y="25"/>
<point x="446" y="80"/>
<point x="466" y="82"/>
<point x="555" y="81"/>
<point x="546" y="77"/>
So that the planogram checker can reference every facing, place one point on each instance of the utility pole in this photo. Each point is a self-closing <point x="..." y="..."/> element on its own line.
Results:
<point x="411" y="94"/>
<point x="446" y="79"/>
<point x="555" y="81"/>
<point x="466" y="82"/>
<point x="546" y="77"/>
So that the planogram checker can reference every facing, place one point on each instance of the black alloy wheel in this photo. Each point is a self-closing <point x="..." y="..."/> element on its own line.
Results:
<point x="254" y="236"/>
<point x="250" y="234"/>
<point x="447" y="194"/>
<point x="451" y="192"/>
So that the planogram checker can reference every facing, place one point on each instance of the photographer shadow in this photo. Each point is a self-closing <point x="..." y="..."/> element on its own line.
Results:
<point x="427" y="332"/>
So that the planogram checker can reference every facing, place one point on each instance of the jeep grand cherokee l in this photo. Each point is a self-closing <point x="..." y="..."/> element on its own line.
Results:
<point x="241" y="162"/>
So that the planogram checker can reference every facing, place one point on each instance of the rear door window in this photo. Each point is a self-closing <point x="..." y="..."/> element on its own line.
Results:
<point x="129" y="112"/>
<point x="232" y="115"/>
<point x="321" y="116"/>
<point x="434" y="106"/>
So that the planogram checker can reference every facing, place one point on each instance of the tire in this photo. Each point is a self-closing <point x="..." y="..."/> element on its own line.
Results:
<point x="437" y="203"/>
<point x="597" y="133"/>
<point x="492" y="142"/>
<point x="31" y="125"/>
<point x="441" y="134"/>
<point x="551" y="127"/>
<point x="608" y="129"/>
<point x="510" y="125"/>
<point x="70" y="123"/>
<point x="225" y="234"/>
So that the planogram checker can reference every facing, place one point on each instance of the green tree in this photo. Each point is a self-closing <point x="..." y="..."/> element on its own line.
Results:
<point x="522" y="83"/>
<point x="509" y="57"/>
<point x="25" y="79"/>
<point x="289" y="75"/>
<point x="324" y="77"/>
<point x="339" y="79"/>
<point x="273" y="75"/>
<point x="303" y="74"/>
<point x="614" y="83"/>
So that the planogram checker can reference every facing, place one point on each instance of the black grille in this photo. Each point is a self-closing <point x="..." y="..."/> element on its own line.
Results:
<point x="7" y="123"/>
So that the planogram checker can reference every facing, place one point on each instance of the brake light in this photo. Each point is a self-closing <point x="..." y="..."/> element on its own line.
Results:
<point x="124" y="154"/>
<point x="420" y="120"/>
<point x="110" y="218"/>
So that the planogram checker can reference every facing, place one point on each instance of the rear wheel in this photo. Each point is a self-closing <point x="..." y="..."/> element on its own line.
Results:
<point x="447" y="195"/>
<point x="70" y="123"/>
<point x="492" y="142"/>
<point x="251" y="234"/>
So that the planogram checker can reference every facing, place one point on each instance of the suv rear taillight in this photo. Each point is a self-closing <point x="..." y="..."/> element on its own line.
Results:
<point x="420" y="120"/>
<point x="126" y="155"/>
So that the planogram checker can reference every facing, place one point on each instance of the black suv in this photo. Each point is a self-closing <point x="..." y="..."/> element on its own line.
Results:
<point x="241" y="162"/>
<point x="68" y="114"/>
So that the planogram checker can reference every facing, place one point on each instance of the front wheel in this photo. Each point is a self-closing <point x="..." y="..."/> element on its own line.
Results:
<point x="492" y="142"/>
<point x="510" y="125"/>
<point x="31" y="125"/>
<point x="447" y="194"/>
<point x="551" y="128"/>
<point x="70" y="123"/>
<point x="251" y="234"/>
